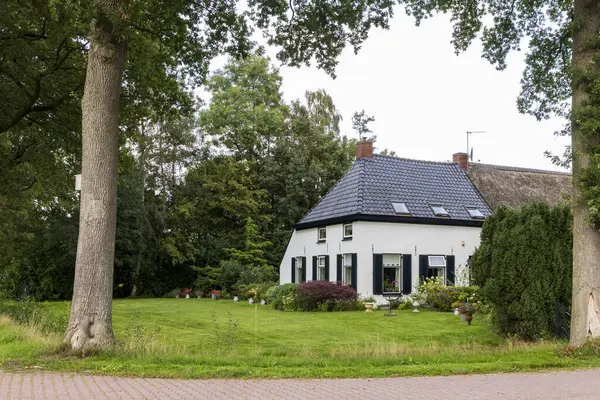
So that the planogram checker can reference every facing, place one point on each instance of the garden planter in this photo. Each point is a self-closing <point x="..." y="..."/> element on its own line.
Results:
<point x="368" y="307"/>
<point x="214" y="296"/>
<point x="416" y="306"/>
<point x="236" y="299"/>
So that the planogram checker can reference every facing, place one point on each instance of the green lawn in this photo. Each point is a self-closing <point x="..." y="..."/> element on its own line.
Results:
<point x="203" y="338"/>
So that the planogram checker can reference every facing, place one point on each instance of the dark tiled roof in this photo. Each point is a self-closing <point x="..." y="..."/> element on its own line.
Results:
<point x="371" y="185"/>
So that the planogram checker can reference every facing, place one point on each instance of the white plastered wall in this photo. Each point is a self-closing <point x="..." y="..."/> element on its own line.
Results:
<point x="380" y="238"/>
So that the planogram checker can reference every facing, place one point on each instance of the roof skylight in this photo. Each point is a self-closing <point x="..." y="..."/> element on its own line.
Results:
<point x="400" y="208"/>
<point x="439" y="211"/>
<point x="475" y="213"/>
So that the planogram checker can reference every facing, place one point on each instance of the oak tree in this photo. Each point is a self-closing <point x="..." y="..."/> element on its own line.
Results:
<point x="561" y="78"/>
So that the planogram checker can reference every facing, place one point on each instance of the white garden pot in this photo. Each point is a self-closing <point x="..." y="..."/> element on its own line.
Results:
<point x="416" y="306"/>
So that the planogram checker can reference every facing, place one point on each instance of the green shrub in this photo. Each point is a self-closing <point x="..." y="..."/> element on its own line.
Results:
<point x="282" y="297"/>
<point x="173" y="293"/>
<point x="524" y="267"/>
<point x="257" y="291"/>
<point x="445" y="298"/>
<point x="229" y="274"/>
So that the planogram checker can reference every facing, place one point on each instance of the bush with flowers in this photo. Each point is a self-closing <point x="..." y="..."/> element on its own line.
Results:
<point x="445" y="298"/>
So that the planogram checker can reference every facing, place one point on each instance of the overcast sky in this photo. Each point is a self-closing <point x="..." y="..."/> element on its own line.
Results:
<point x="424" y="97"/>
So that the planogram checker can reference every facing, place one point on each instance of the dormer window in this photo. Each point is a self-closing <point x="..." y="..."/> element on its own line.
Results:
<point x="475" y="213"/>
<point x="439" y="210"/>
<point x="400" y="208"/>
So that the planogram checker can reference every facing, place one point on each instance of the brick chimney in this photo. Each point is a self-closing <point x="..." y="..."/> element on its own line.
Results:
<point x="462" y="159"/>
<point x="364" y="149"/>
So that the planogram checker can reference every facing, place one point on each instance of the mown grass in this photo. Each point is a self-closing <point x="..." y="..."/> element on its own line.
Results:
<point x="209" y="339"/>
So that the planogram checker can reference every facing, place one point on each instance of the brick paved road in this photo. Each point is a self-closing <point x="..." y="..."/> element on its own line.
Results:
<point x="580" y="385"/>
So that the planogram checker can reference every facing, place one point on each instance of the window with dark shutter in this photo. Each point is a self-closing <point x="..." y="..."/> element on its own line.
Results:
<point x="377" y="273"/>
<point x="326" y="268"/>
<point x="450" y="270"/>
<point x="303" y="269"/>
<point x="314" y="268"/>
<point x="406" y="274"/>
<point x="354" y="282"/>
<point x="339" y="277"/>
<point x="293" y="269"/>
<point x="423" y="266"/>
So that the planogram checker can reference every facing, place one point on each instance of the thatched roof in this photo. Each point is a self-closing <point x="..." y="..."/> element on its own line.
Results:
<point x="515" y="187"/>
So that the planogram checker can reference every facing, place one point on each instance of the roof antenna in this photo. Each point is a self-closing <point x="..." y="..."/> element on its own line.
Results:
<point x="470" y="151"/>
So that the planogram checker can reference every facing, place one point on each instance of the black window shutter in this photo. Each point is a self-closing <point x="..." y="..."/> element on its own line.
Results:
<point x="406" y="273"/>
<point x="340" y="260"/>
<point x="326" y="268"/>
<point x="377" y="273"/>
<point x="303" y="269"/>
<point x="314" y="272"/>
<point x="450" y="270"/>
<point x="423" y="266"/>
<point x="354" y="271"/>
<point x="293" y="269"/>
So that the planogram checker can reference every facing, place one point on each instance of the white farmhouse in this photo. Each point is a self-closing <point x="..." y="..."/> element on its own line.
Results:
<point x="394" y="219"/>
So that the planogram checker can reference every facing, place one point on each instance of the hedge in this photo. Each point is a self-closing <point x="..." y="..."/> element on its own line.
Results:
<point x="524" y="267"/>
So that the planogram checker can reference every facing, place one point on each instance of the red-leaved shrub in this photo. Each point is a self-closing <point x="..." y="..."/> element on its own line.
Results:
<point x="311" y="296"/>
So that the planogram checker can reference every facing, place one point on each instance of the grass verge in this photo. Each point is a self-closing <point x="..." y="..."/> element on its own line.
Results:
<point x="179" y="338"/>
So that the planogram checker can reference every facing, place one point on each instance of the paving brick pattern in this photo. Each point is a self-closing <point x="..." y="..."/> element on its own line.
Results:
<point x="579" y="385"/>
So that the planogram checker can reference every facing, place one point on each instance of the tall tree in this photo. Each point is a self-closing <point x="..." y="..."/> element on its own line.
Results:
<point x="561" y="77"/>
<point x="191" y="33"/>
<point x="295" y="150"/>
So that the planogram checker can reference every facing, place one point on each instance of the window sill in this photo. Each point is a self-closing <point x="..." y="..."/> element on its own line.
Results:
<point x="321" y="241"/>
<point x="347" y="238"/>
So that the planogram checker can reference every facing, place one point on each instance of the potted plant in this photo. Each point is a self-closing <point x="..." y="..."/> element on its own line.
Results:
<point x="215" y="294"/>
<point x="391" y="287"/>
<point x="369" y="303"/>
<point x="467" y="310"/>
<point x="417" y="300"/>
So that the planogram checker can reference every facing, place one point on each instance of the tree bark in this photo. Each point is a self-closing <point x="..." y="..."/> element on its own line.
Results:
<point x="585" y="316"/>
<point x="90" y="324"/>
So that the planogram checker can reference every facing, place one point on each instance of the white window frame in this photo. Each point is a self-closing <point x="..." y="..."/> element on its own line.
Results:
<point x="438" y="263"/>
<point x="299" y="269"/>
<point x="347" y="269"/>
<point x="321" y="265"/>
<point x="393" y="261"/>
<point x="319" y="238"/>
<point x="351" y="231"/>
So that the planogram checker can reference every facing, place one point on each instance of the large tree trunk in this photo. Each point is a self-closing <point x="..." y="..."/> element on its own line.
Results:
<point x="585" y="320"/>
<point x="90" y="324"/>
